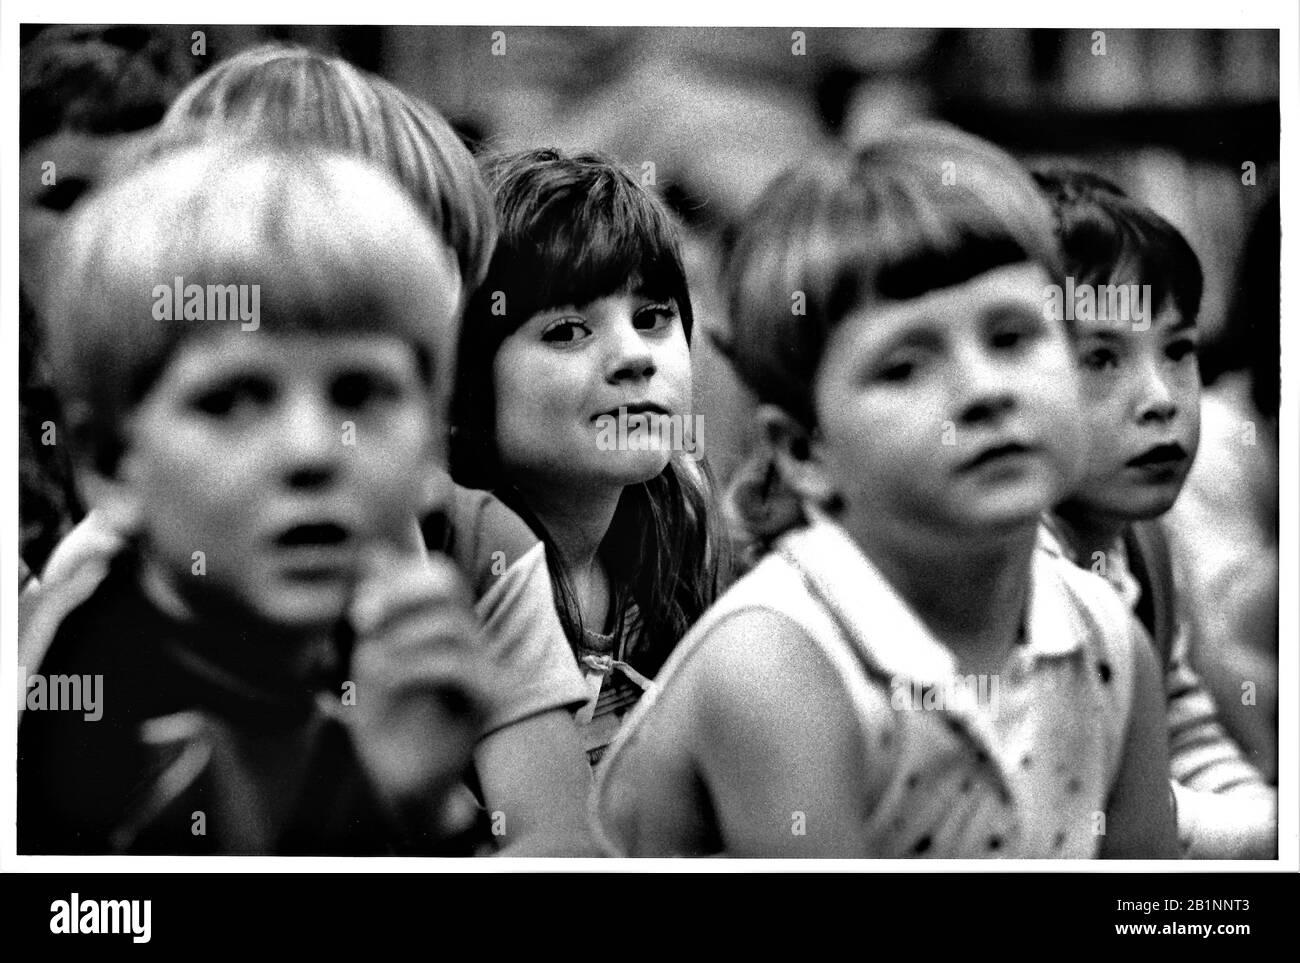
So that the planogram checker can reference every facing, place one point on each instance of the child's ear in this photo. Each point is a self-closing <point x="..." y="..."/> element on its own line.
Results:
<point x="796" y="454"/>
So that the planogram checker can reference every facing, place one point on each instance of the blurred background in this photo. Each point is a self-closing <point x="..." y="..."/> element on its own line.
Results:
<point x="1170" y="115"/>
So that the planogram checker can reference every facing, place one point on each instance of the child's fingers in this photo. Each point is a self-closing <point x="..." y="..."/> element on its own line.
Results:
<point x="418" y="630"/>
<point x="417" y="749"/>
<point x="418" y="694"/>
<point x="414" y="723"/>
<point x="396" y="585"/>
<point x="93" y="539"/>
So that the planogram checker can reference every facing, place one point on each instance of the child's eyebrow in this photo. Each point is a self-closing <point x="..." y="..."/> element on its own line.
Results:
<point x="558" y="311"/>
<point x="919" y="335"/>
<point x="1010" y="309"/>
<point x="650" y="294"/>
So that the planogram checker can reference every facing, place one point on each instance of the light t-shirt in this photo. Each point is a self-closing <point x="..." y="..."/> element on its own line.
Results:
<point x="532" y="666"/>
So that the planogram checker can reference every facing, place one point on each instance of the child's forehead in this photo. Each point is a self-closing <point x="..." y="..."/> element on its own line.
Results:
<point x="634" y="288"/>
<point x="286" y="353"/>
<point x="1133" y="324"/>
<point x="1017" y="285"/>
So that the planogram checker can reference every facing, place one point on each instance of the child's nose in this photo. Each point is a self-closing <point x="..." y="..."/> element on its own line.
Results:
<point x="1155" y="401"/>
<point x="630" y="355"/>
<point x="987" y="394"/>
<point x="310" y="443"/>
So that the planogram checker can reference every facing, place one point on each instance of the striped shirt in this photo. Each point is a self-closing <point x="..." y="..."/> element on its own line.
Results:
<point x="613" y="686"/>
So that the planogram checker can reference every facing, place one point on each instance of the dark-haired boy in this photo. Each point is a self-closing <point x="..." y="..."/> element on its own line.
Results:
<point x="1141" y="401"/>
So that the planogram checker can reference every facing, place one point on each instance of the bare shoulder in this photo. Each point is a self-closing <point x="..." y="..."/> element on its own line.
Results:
<point x="761" y="672"/>
<point x="754" y="716"/>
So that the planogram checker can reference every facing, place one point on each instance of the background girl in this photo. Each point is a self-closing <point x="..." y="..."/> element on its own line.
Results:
<point x="574" y="406"/>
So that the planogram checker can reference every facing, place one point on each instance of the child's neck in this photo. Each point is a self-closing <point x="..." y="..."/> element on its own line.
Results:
<point x="972" y="597"/>
<point x="577" y="523"/>
<point x="1088" y="532"/>
<point x="281" y="653"/>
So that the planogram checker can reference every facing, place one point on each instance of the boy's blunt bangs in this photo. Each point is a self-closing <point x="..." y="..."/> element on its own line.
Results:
<point x="100" y="80"/>
<point x="1108" y="238"/>
<point x="575" y="229"/>
<point x="928" y="208"/>
<point x="293" y="96"/>
<point x="333" y="245"/>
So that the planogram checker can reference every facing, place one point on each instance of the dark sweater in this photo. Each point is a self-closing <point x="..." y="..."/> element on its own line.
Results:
<point x="203" y="746"/>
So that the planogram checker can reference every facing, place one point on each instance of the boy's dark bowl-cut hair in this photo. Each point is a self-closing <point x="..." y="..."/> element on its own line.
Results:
<point x="927" y="208"/>
<point x="1108" y="238"/>
<point x="297" y="97"/>
<point x="334" y="245"/>
<point x="574" y="229"/>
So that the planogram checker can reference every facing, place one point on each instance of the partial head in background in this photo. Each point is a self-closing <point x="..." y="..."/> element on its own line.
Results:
<point x="585" y="311"/>
<point x="1251" y="340"/>
<point x="255" y="350"/>
<point x="296" y="97"/>
<point x="1134" y="291"/>
<point x="887" y="312"/>
<point x="87" y="94"/>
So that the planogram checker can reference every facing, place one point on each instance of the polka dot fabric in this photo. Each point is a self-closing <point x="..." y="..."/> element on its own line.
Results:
<point x="1018" y="765"/>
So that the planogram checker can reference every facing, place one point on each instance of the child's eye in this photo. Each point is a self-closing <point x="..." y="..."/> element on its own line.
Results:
<point x="1012" y="328"/>
<point x="1181" y="349"/>
<point x="231" y="398"/>
<point x="357" y="389"/>
<point x="1100" y="359"/>
<point x="1012" y="337"/>
<point x="655" y="316"/>
<point x="897" y="371"/>
<point x="565" y="331"/>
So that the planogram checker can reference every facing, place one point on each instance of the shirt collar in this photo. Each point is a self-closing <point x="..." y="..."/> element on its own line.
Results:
<point x="1054" y="538"/>
<point x="890" y="637"/>
<point x="888" y="634"/>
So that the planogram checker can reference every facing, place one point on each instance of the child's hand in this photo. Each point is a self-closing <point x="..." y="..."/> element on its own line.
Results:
<point x="417" y="709"/>
<point x="93" y="543"/>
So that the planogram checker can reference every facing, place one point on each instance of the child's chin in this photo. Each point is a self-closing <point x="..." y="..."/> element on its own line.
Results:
<point x="1145" y="505"/>
<point x="633" y="467"/>
<point x="1012" y="510"/>
<point x="305" y="609"/>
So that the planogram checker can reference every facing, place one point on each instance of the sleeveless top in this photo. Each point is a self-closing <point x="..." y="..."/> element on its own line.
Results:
<point x="1019" y="764"/>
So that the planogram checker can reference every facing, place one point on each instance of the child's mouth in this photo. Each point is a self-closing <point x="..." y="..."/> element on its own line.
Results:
<point x="322" y="533"/>
<point x="996" y="454"/>
<point x="627" y="411"/>
<point x="1160" y="457"/>
<point x="317" y="550"/>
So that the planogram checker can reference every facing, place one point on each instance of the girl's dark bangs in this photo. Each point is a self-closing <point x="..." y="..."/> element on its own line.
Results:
<point x="593" y="248"/>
